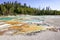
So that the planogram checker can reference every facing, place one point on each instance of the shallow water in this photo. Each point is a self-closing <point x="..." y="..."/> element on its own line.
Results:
<point x="6" y="18"/>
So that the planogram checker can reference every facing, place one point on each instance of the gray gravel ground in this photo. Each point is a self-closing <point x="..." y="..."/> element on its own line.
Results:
<point x="47" y="35"/>
<point x="53" y="21"/>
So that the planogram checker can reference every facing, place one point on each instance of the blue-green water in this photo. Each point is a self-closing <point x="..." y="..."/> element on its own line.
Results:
<point x="32" y="20"/>
<point x="6" y="18"/>
<point x="28" y="18"/>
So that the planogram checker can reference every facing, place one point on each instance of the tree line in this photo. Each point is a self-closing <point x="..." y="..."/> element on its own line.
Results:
<point x="15" y="8"/>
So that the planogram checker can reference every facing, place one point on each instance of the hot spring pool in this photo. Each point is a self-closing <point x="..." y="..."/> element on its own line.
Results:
<point x="27" y="18"/>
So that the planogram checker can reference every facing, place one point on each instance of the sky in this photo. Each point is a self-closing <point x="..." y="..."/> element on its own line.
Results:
<point x="53" y="4"/>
